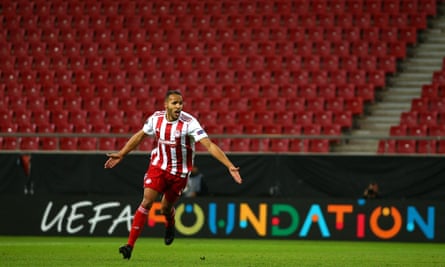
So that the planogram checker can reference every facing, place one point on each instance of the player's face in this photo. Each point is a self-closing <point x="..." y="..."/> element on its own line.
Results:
<point x="173" y="106"/>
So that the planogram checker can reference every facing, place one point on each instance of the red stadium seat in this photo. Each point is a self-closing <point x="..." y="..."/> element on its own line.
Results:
<point x="147" y="145"/>
<point x="299" y="145"/>
<point x="315" y="104"/>
<point x="229" y="117"/>
<point x="426" y="146"/>
<point x="332" y="130"/>
<point x="343" y="118"/>
<point x="279" y="145"/>
<point x="68" y="143"/>
<point x="87" y="143"/>
<point x="366" y="92"/>
<point x="323" y="118"/>
<point x="272" y="129"/>
<point x="319" y="145"/>
<point x="276" y="103"/>
<point x="406" y="146"/>
<point x="233" y="129"/>
<point x="296" y="104"/>
<point x="245" y="117"/>
<point x="311" y="129"/>
<point x="78" y="117"/>
<point x="355" y="105"/>
<point x="259" y="145"/>
<point x="386" y="146"/>
<point x="284" y="118"/>
<point x="335" y="104"/>
<point x="304" y="118"/>
<point x="240" y="145"/>
<point x="429" y="118"/>
<point x="264" y="117"/>
<point x="224" y="144"/>
<point x="419" y="130"/>
<point x="409" y="118"/>
<point x="398" y="130"/>
<point x="107" y="144"/>
<point x="436" y="130"/>
<point x="253" y="129"/>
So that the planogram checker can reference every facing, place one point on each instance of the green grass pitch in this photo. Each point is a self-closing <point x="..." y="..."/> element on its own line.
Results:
<point x="103" y="251"/>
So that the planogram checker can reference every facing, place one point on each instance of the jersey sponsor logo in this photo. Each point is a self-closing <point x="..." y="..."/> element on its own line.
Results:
<point x="167" y="142"/>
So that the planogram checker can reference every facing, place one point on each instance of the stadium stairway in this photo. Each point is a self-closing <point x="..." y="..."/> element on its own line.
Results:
<point x="406" y="84"/>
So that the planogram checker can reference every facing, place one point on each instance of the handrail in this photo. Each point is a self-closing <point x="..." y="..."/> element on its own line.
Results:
<point x="340" y="139"/>
<point x="231" y="136"/>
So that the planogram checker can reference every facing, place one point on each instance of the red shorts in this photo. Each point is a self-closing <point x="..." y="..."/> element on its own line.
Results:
<point x="164" y="182"/>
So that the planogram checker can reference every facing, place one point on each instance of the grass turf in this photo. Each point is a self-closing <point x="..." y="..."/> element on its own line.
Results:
<point x="95" y="251"/>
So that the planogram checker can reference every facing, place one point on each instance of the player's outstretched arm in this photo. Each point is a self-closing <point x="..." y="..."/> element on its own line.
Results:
<point x="132" y="143"/>
<point x="216" y="152"/>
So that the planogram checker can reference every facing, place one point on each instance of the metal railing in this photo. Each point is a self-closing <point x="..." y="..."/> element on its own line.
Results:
<point x="334" y="141"/>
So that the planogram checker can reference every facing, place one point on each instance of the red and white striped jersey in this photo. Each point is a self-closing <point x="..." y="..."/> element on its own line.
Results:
<point x="175" y="150"/>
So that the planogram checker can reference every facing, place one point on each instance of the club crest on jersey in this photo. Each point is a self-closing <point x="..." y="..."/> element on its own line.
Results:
<point x="177" y="134"/>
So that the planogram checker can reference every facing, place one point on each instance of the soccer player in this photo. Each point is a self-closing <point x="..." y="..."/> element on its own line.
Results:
<point x="171" y="163"/>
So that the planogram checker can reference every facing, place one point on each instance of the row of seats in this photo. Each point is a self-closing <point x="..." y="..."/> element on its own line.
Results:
<point x="414" y="118"/>
<point x="157" y="35"/>
<point x="309" y="62"/>
<point x="175" y="78"/>
<point x="220" y="7"/>
<point x="426" y="104"/>
<point x="32" y="92"/>
<point x="331" y="128"/>
<point x="433" y="91"/>
<point x="145" y="51"/>
<point x="272" y="145"/>
<point x="430" y="129"/>
<point x="37" y="121"/>
<point x="411" y="146"/>
<point x="68" y="143"/>
<point x="207" y="23"/>
<point x="112" y="144"/>
<point x="276" y="104"/>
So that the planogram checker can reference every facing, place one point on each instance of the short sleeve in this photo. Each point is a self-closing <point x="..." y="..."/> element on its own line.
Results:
<point x="196" y="131"/>
<point x="148" y="126"/>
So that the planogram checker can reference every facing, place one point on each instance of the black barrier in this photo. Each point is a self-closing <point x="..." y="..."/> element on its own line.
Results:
<point x="301" y="176"/>
<point x="315" y="219"/>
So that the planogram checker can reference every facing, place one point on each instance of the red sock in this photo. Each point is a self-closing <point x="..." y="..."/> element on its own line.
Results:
<point x="139" y="220"/>
<point x="170" y="218"/>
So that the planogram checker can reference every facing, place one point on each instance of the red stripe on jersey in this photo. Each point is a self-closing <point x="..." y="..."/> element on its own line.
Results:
<point x="189" y="153"/>
<point x="178" y="137"/>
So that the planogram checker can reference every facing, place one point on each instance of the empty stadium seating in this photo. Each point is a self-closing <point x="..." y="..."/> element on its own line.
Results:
<point x="292" y="64"/>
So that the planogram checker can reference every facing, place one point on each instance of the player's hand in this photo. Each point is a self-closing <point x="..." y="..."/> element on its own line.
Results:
<point x="113" y="160"/>
<point x="234" y="171"/>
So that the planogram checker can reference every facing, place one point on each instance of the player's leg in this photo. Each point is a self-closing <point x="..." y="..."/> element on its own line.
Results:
<point x="169" y="199"/>
<point x="153" y="185"/>
<point x="141" y="215"/>
<point x="139" y="221"/>
<point x="169" y="211"/>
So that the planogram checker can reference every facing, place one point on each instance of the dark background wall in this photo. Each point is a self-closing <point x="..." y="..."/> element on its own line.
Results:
<point x="264" y="175"/>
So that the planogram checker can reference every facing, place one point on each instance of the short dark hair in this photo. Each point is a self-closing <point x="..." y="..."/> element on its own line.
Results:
<point x="172" y="92"/>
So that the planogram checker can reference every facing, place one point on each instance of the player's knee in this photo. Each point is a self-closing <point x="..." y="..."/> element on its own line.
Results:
<point x="146" y="203"/>
<point x="166" y="210"/>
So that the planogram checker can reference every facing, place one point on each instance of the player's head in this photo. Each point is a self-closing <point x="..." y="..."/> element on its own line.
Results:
<point x="173" y="104"/>
<point x="171" y="92"/>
